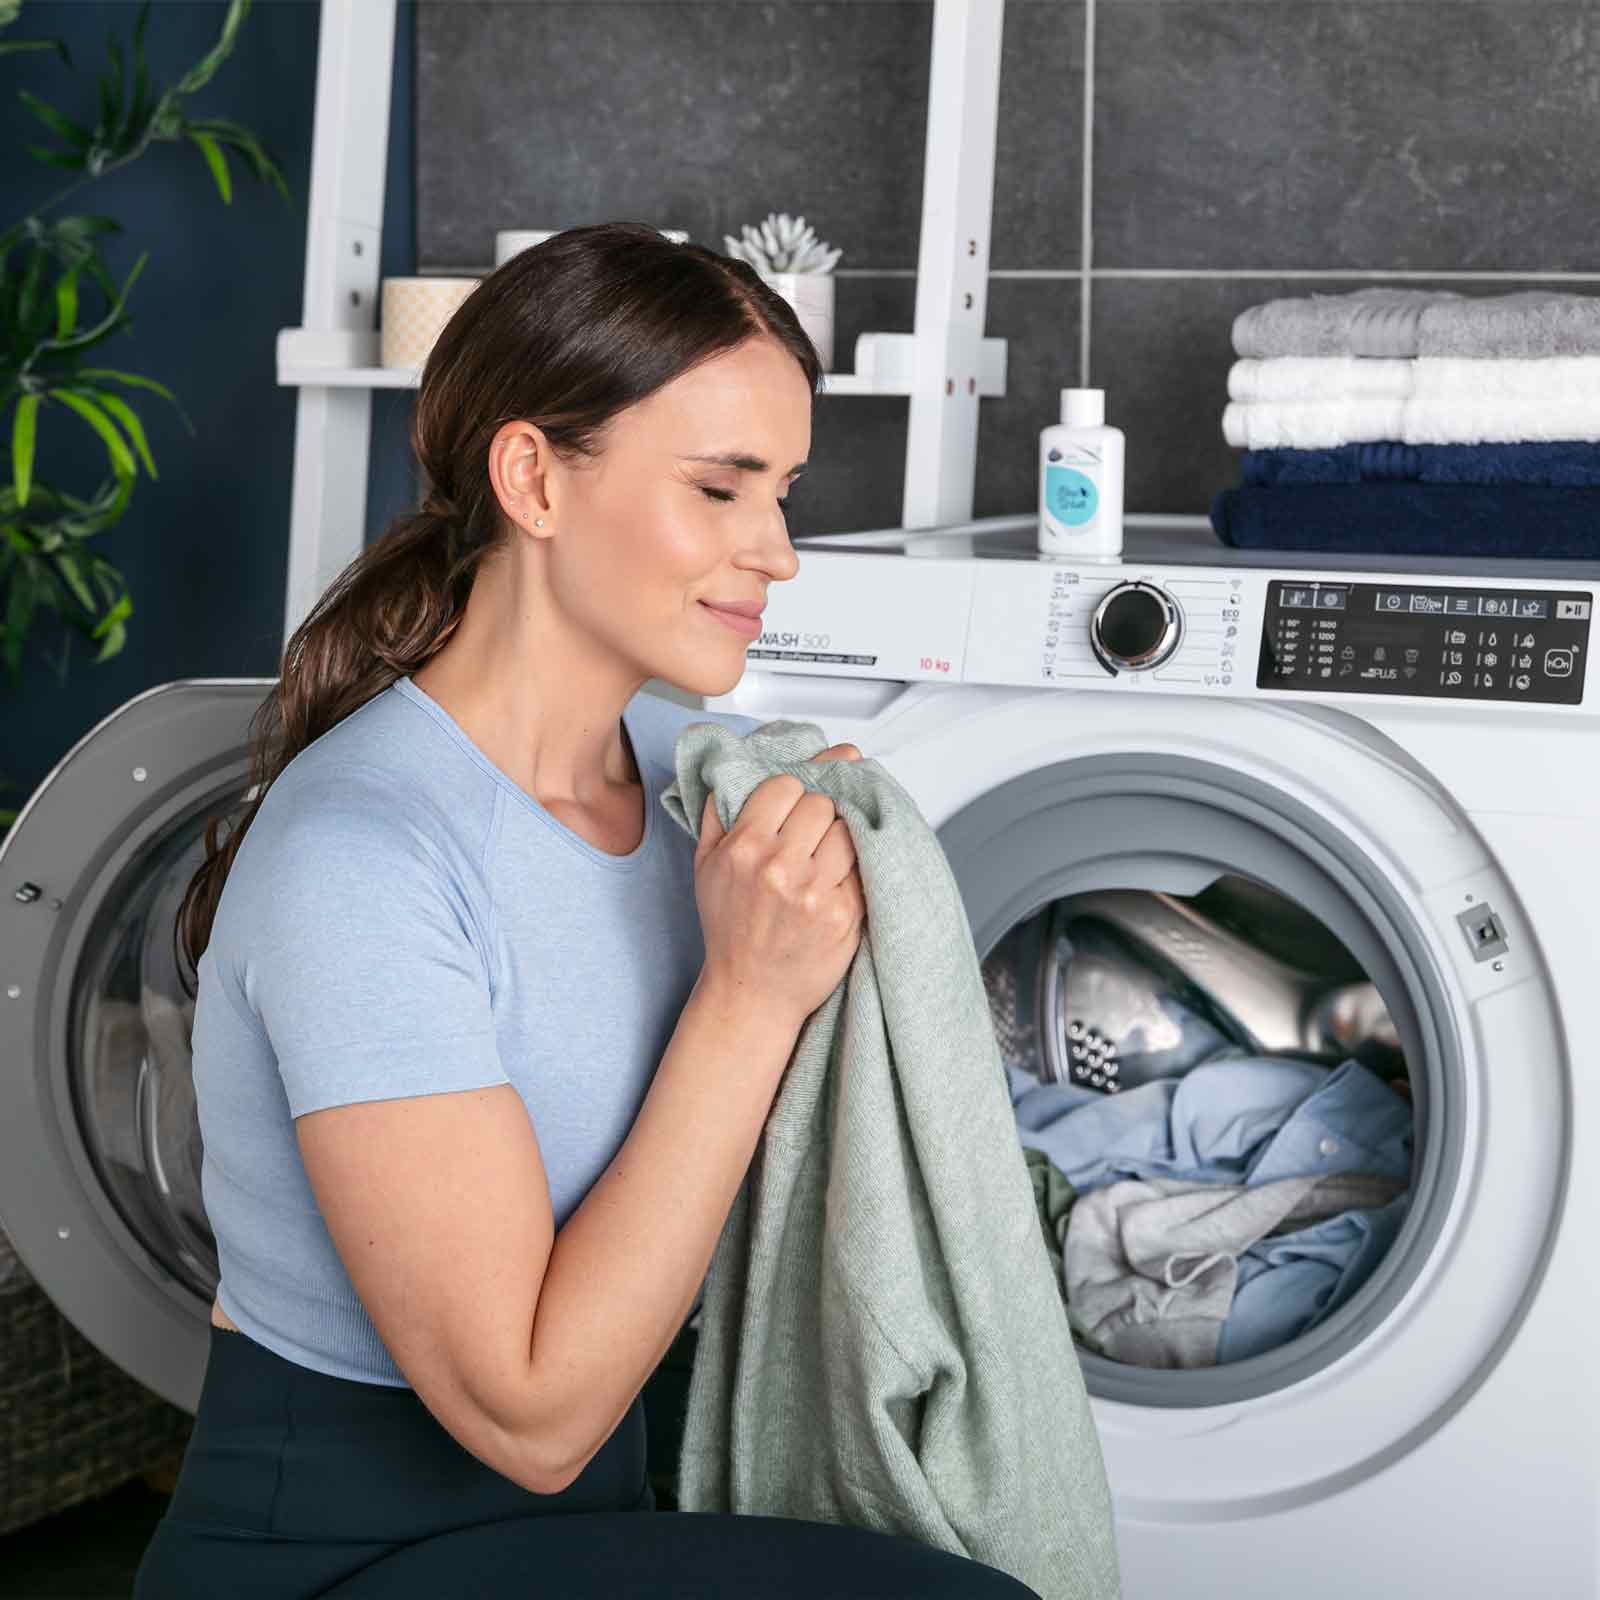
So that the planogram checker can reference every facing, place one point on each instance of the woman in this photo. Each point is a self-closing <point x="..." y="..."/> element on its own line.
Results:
<point x="482" y="1044"/>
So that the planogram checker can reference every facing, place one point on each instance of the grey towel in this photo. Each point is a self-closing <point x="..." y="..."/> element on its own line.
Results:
<point x="1380" y="321"/>
<point x="1150" y="1265"/>
<point x="1530" y="323"/>
<point x="883" y="1341"/>
<point x="1387" y="322"/>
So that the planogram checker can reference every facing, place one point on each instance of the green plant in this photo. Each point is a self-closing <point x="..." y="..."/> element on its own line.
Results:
<point x="43" y="561"/>
<point x="50" y="273"/>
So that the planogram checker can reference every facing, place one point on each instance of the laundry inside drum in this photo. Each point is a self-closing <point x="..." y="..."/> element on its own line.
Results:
<point x="1215" y="1111"/>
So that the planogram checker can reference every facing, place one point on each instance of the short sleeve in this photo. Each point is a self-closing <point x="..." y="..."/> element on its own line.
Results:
<point x="358" y="947"/>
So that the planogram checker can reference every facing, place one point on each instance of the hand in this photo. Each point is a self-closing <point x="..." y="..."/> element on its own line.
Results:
<point x="780" y="896"/>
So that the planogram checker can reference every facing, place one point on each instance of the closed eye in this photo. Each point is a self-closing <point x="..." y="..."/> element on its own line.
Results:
<point x="727" y="494"/>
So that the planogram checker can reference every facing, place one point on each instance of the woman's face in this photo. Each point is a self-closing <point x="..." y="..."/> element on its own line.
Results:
<point x="682" y="506"/>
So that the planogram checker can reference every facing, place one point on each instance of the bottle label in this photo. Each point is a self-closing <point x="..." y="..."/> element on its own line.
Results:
<point x="1069" y="497"/>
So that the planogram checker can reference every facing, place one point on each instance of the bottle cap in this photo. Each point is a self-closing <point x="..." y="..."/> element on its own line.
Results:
<point x="1083" y="408"/>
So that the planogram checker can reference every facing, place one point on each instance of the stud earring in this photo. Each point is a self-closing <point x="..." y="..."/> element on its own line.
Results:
<point x="538" y="522"/>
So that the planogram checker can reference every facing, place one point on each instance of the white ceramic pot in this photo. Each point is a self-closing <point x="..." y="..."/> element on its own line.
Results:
<point x="811" y="295"/>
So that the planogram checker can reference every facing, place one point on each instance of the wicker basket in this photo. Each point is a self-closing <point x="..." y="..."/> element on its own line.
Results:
<point x="73" y="1425"/>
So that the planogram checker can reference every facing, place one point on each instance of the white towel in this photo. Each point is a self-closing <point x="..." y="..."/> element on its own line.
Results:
<point x="1312" y="424"/>
<point x="1450" y="401"/>
<point x="1319" y="378"/>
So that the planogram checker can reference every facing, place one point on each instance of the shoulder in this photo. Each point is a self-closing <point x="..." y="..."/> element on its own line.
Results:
<point x="360" y="816"/>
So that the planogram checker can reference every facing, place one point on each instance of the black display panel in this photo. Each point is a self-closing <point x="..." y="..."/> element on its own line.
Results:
<point x="1456" y="643"/>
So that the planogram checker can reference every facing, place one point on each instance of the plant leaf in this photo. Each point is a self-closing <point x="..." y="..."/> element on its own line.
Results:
<point x="112" y="320"/>
<point x="22" y="597"/>
<point x="128" y="377"/>
<point x="15" y="45"/>
<point x="226" y="132"/>
<point x="85" y="227"/>
<point x="28" y="296"/>
<point x="203" y="70"/>
<point x="124" y="413"/>
<point x="141" y="90"/>
<point x="214" y="159"/>
<point x="67" y="565"/>
<point x="108" y="109"/>
<point x="22" y="441"/>
<point x="72" y="132"/>
<point x="67" y="303"/>
<point x="111" y="626"/>
<point x="121" y="459"/>
<point x="54" y="158"/>
<point x="118" y="93"/>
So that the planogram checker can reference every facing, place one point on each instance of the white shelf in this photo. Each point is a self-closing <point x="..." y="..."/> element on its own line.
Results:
<point x="348" y="377"/>
<point x="344" y="359"/>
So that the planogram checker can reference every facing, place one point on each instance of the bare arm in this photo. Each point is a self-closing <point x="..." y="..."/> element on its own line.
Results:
<point x="440" y="1209"/>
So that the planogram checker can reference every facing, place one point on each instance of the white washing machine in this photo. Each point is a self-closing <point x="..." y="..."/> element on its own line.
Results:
<point x="1408" y="755"/>
<point x="1399" y="765"/>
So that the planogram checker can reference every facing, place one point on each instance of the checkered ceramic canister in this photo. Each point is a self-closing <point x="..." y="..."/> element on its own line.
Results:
<point x="414" y="312"/>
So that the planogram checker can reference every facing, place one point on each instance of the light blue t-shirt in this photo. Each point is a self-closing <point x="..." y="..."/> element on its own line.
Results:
<point x="403" y="919"/>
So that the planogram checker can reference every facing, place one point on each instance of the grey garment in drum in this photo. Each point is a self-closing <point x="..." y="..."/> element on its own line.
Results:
<point x="1150" y="1265"/>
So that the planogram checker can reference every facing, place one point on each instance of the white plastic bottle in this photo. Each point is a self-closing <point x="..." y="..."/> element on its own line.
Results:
<point x="1080" y="481"/>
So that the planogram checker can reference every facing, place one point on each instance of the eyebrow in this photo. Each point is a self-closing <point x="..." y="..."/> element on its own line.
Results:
<point x="744" y="462"/>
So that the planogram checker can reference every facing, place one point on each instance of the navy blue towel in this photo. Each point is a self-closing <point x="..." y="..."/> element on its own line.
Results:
<point x="1573" y="463"/>
<point x="1413" y="519"/>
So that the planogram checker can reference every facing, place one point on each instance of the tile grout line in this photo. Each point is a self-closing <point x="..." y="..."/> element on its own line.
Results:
<point x="1086" y="272"/>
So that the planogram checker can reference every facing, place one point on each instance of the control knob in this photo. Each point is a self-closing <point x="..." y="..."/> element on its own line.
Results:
<point x="1135" y="627"/>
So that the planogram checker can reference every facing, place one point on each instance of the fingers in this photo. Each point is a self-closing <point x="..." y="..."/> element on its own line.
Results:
<point x="784" y="805"/>
<point x="711" y="829"/>
<point x="835" y="856"/>
<point x="808" y="822"/>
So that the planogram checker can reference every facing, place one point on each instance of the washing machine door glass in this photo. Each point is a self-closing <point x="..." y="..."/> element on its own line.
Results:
<point x="132" y="1079"/>
<point x="1197" y="985"/>
<point x="99" y="1139"/>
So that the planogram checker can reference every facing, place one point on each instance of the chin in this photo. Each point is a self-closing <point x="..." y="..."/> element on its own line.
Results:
<point x="704" y="677"/>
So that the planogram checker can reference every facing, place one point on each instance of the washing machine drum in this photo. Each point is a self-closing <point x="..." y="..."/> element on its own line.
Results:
<point x="99" y="1142"/>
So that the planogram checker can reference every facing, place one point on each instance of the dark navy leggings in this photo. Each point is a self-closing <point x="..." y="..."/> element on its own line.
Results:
<point x="297" y="1484"/>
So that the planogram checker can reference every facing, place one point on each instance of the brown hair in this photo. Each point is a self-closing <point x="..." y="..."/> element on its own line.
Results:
<point x="565" y="335"/>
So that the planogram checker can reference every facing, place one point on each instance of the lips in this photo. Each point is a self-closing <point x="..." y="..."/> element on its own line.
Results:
<point x="747" y="624"/>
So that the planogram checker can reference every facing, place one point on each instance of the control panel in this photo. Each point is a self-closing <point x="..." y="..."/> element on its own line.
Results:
<point x="1453" y="643"/>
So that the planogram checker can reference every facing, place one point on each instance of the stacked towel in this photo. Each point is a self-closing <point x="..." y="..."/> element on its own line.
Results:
<point x="1479" y="417"/>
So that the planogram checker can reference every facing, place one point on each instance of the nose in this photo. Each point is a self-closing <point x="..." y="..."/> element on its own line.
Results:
<point x="779" y="557"/>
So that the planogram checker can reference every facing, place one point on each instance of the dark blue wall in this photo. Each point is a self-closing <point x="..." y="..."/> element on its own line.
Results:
<point x="204" y="547"/>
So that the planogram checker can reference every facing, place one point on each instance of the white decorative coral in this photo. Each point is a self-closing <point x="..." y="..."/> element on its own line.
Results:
<point x="783" y="244"/>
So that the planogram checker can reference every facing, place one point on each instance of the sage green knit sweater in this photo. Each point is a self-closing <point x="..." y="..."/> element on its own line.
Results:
<point x="883" y="1341"/>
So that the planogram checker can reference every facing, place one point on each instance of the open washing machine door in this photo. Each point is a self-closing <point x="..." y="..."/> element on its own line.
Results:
<point x="99" y="1145"/>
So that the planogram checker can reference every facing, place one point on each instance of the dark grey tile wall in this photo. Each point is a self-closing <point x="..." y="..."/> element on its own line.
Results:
<point x="1242" y="150"/>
